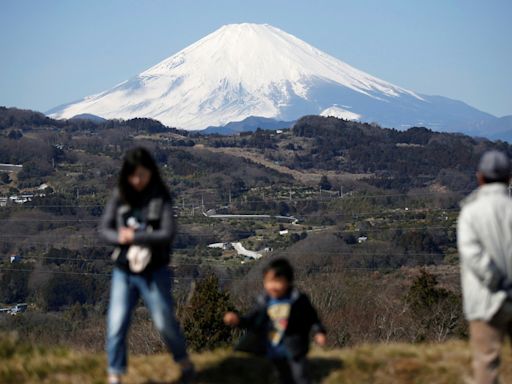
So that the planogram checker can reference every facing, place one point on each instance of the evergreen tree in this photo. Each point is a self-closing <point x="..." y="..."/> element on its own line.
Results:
<point x="435" y="311"/>
<point x="203" y="316"/>
<point x="325" y="184"/>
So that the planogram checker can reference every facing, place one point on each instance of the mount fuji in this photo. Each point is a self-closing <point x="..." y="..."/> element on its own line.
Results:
<point x="257" y="70"/>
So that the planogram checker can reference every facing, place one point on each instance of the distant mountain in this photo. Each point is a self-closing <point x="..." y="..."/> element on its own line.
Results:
<point x="502" y="129"/>
<point x="247" y="125"/>
<point x="244" y="70"/>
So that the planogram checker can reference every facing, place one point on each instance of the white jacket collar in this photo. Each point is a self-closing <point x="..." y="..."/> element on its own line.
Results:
<point x="484" y="190"/>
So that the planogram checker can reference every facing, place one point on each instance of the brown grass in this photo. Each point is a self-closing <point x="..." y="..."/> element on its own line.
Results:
<point x="311" y="177"/>
<point x="445" y="363"/>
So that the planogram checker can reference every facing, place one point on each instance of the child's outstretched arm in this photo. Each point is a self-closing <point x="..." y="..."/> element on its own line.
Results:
<point x="231" y="319"/>
<point x="248" y="321"/>
<point x="317" y="328"/>
<point x="320" y="339"/>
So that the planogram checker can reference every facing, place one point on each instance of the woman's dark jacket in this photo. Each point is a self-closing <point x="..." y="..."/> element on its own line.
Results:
<point x="156" y="212"/>
<point x="302" y="321"/>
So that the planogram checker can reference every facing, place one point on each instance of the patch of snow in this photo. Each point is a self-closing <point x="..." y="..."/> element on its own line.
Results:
<point x="340" y="113"/>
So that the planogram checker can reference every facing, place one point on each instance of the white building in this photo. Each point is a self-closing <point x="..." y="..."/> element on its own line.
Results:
<point x="15" y="259"/>
<point x="223" y="246"/>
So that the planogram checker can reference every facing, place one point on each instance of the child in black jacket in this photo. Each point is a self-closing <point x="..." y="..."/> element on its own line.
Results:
<point x="280" y="325"/>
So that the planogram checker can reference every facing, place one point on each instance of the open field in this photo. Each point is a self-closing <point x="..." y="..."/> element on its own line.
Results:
<point x="311" y="177"/>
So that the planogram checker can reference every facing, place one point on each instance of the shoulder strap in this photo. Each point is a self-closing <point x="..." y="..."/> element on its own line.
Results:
<point x="155" y="209"/>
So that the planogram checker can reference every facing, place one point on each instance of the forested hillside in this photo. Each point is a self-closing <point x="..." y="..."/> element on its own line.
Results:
<point x="366" y="215"/>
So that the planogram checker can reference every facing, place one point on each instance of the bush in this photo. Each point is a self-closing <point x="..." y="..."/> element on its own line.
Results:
<point x="4" y="178"/>
<point x="437" y="312"/>
<point x="203" y="316"/>
<point x="14" y="285"/>
<point x="64" y="290"/>
<point x="34" y="170"/>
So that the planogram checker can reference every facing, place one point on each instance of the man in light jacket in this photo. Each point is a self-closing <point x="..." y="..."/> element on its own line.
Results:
<point x="484" y="238"/>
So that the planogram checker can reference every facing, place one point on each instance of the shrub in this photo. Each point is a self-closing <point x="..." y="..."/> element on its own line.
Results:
<point x="203" y="316"/>
<point x="436" y="311"/>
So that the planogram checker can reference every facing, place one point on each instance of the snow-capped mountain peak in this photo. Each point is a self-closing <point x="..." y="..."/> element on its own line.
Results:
<point x="244" y="70"/>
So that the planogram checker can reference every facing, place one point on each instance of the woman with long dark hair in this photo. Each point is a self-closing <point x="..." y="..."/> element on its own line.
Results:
<point x="139" y="221"/>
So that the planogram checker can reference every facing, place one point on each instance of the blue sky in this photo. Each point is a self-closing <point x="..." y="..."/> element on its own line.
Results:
<point x="53" y="52"/>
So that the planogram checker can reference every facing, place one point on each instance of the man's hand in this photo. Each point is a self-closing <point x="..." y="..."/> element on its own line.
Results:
<point x="125" y="235"/>
<point x="231" y="319"/>
<point x="321" y="339"/>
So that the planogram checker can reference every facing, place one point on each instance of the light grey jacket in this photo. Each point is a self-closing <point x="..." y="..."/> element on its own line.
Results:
<point x="484" y="239"/>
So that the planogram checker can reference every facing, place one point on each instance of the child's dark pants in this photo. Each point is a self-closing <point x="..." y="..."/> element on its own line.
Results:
<point x="292" y="371"/>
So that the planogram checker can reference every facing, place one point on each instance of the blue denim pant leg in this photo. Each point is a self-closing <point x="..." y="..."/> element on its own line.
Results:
<point x="123" y="298"/>
<point x="156" y="293"/>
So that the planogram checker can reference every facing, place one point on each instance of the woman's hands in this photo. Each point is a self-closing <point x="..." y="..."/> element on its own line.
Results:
<point x="125" y="235"/>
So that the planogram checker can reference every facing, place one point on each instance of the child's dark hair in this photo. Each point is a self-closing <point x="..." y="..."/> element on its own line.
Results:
<point x="140" y="157"/>
<point x="281" y="268"/>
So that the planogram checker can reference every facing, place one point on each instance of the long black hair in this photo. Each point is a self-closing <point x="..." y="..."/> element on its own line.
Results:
<point x="132" y="159"/>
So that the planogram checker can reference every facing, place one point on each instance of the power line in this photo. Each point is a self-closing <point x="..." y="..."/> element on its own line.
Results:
<point x="354" y="269"/>
<point x="94" y="236"/>
<point x="56" y="272"/>
<point x="210" y="262"/>
<point x="297" y="215"/>
<point x="265" y="199"/>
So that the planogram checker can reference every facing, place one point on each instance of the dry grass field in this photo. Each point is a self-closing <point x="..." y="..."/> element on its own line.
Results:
<point x="444" y="363"/>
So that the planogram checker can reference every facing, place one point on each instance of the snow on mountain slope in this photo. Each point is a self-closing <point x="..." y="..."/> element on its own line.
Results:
<point x="244" y="70"/>
<point x="238" y="71"/>
<point x="340" y="113"/>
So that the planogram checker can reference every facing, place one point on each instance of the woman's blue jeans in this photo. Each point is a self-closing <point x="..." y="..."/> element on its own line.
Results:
<point x="155" y="289"/>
